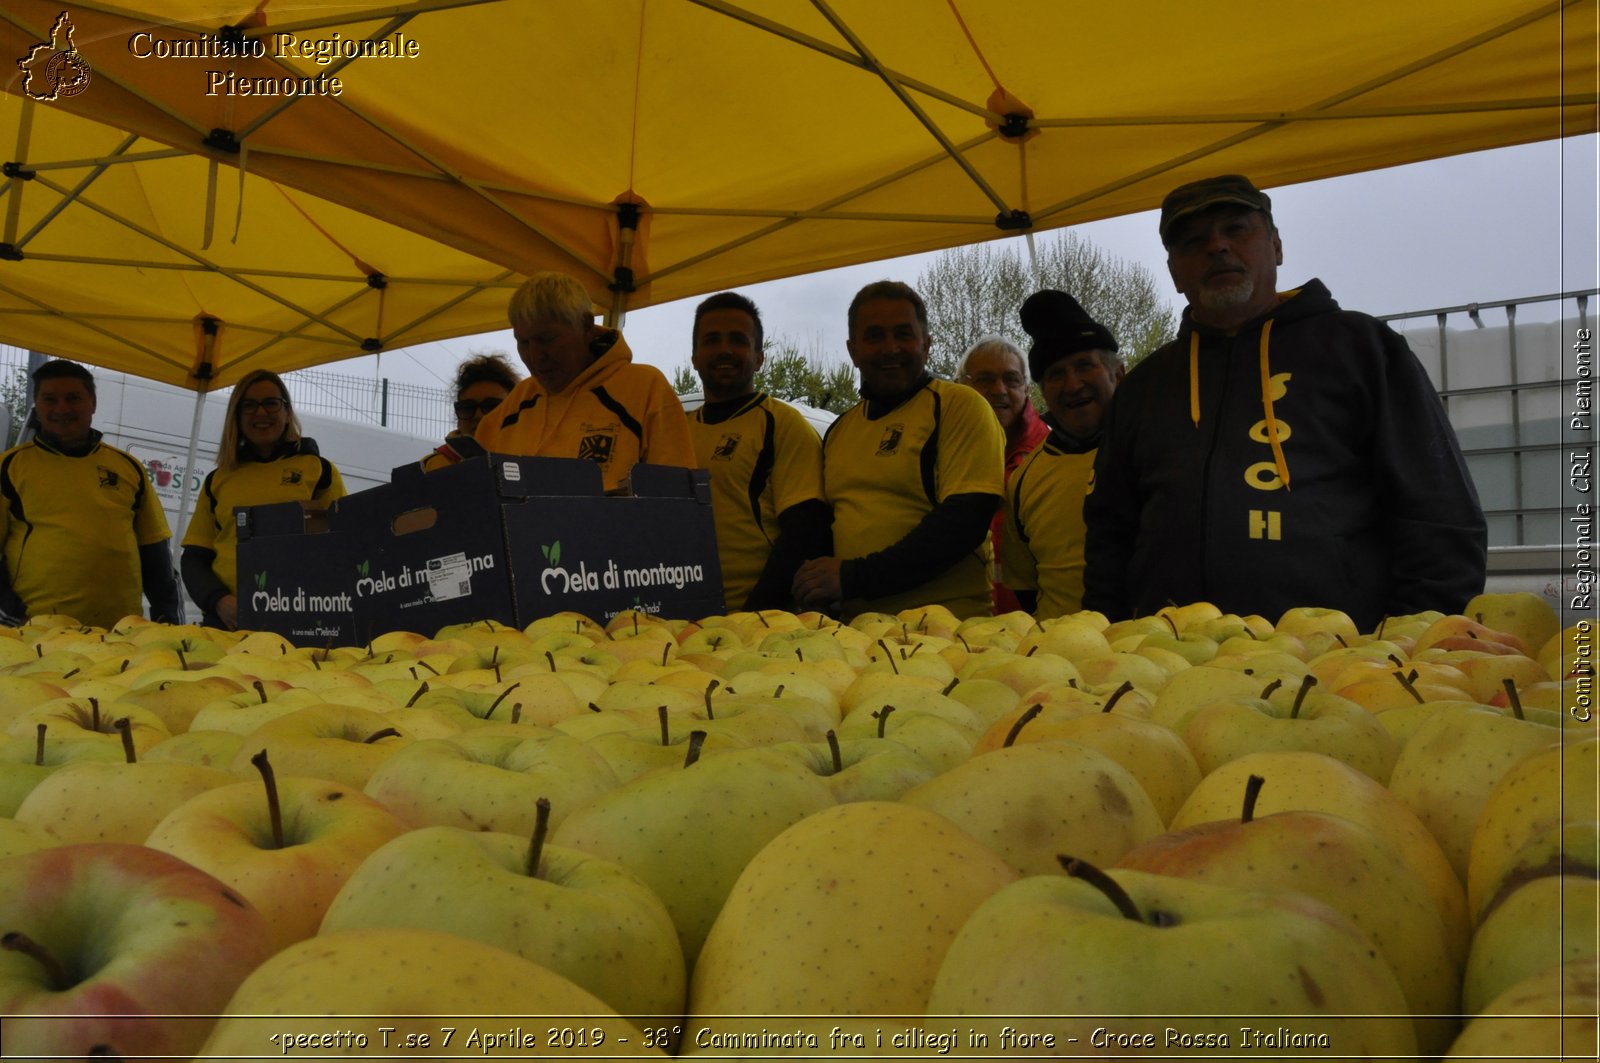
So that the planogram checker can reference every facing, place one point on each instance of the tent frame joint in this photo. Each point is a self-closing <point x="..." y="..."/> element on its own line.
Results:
<point x="1013" y="220"/>
<point x="1015" y="126"/>
<point x="222" y="140"/>
<point x="18" y="171"/>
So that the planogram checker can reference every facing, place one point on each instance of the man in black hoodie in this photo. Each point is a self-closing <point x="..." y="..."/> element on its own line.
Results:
<point x="1280" y="452"/>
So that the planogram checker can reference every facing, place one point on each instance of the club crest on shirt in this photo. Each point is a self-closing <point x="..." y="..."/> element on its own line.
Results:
<point x="891" y="439"/>
<point x="724" y="450"/>
<point x="597" y="447"/>
<point x="108" y="477"/>
<point x="292" y="476"/>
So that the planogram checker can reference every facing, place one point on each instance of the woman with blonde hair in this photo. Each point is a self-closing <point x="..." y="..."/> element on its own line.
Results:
<point x="262" y="458"/>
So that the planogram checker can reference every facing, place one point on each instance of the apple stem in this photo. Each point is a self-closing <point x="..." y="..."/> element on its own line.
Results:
<point x="696" y="740"/>
<point x="1104" y="883"/>
<point x="963" y="641"/>
<point x="424" y="664"/>
<point x="1398" y="663"/>
<point x="906" y="656"/>
<point x="70" y="673"/>
<point x="375" y="736"/>
<point x="1022" y="721"/>
<point x="1032" y="650"/>
<point x="1117" y="695"/>
<point x="125" y="662"/>
<point x="551" y="659"/>
<point x="55" y="974"/>
<point x="1405" y="681"/>
<point x="497" y="667"/>
<point x="183" y="662"/>
<point x="516" y="712"/>
<point x="94" y="713"/>
<point x="274" y="809"/>
<point x="1170" y="623"/>
<point x="950" y="685"/>
<point x="1266" y="691"/>
<point x="495" y="704"/>
<point x="636" y="623"/>
<point x="882" y="716"/>
<point x="124" y="726"/>
<point x="1342" y="642"/>
<point x="1073" y="683"/>
<point x="666" y="734"/>
<point x="777" y="691"/>
<point x="1511" y="696"/>
<point x="422" y="689"/>
<point x="889" y="654"/>
<point x="1252" y="790"/>
<point x="761" y="617"/>
<point x="38" y="747"/>
<point x="261" y="690"/>
<point x="413" y="671"/>
<point x="1300" y="699"/>
<point x="593" y="707"/>
<point x="799" y="655"/>
<point x="834" y="752"/>
<point x="541" y="827"/>
<point x="710" y="715"/>
<point x="1382" y="620"/>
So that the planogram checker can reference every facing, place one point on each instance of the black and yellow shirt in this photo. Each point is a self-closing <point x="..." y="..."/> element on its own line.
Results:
<point x="296" y="474"/>
<point x="72" y="528"/>
<point x="764" y="458"/>
<point x="884" y="474"/>
<point x="614" y="413"/>
<point x="1042" y="548"/>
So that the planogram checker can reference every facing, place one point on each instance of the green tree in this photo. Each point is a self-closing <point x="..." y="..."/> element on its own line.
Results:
<point x="975" y="291"/>
<point x="793" y="376"/>
<point x="16" y="392"/>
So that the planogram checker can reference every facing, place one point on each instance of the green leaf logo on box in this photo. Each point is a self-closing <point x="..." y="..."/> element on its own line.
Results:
<point x="261" y="581"/>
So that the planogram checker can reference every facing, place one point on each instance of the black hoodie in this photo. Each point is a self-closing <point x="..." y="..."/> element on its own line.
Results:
<point x="1337" y="483"/>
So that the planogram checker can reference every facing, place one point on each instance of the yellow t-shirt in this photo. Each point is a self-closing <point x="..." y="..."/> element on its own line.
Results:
<point x="764" y="457"/>
<point x="72" y="528"/>
<point x="1043" y="544"/>
<point x="613" y="413"/>
<point x="292" y="478"/>
<point x="883" y="475"/>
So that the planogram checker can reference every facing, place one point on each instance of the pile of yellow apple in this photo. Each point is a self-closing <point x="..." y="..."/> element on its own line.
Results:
<point x="774" y="834"/>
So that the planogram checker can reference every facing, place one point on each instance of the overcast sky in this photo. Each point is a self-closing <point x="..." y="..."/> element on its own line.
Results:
<point x="1485" y="227"/>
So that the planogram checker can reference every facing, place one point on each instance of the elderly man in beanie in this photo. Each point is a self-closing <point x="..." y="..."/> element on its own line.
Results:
<point x="1074" y="361"/>
<point x="1280" y="452"/>
<point x="995" y="369"/>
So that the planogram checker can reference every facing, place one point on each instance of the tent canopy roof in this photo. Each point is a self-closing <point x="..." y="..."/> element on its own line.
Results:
<point x="659" y="149"/>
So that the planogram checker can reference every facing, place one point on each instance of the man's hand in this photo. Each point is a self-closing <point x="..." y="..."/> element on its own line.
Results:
<point x="228" y="611"/>
<point x="816" y="584"/>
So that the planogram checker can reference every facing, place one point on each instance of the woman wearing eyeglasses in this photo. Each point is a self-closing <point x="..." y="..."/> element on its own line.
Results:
<point x="262" y="458"/>
<point x="481" y="384"/>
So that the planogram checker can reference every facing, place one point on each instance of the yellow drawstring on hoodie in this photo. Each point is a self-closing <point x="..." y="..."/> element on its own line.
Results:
<point x="1266" y="397"/>
<point x="1266" y="402"/>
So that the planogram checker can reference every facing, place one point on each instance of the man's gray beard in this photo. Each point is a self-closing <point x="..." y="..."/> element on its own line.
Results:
<point x="1234" y="295"/>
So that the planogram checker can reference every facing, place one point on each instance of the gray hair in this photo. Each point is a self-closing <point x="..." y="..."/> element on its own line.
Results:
<point x="986" y="344"/>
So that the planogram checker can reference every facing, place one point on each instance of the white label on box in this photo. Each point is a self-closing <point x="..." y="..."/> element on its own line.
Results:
<point x="449" y="577"/>
<point x="511" y="471"/>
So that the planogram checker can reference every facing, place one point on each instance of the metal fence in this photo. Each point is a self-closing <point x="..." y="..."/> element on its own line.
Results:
<point x="411" y="408"/>
<point x="1507" y="385"/>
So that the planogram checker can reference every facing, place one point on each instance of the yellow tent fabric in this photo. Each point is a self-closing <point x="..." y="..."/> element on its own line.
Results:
<point x="659" y="149"/>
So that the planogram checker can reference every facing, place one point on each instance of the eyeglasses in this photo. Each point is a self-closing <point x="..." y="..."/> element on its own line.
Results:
<point x="249" y="406"/>
<point x="467" y="407"/>
<point x="988" y="380"/>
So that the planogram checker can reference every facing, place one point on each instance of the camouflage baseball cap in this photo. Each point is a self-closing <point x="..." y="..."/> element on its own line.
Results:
<point x="1212" y="191"/>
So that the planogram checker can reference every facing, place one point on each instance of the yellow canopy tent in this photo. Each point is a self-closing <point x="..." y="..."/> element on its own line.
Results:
<point x="659" y="149"/>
